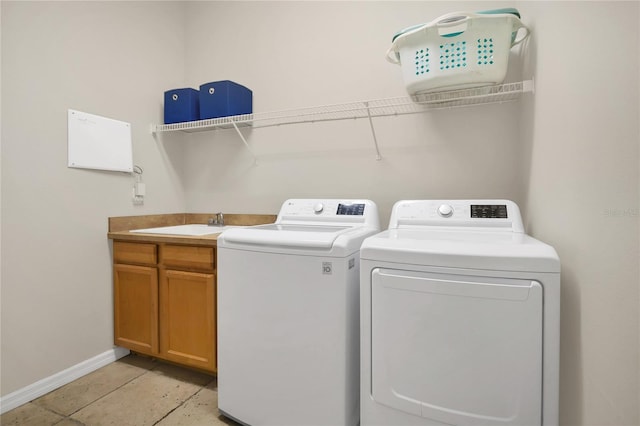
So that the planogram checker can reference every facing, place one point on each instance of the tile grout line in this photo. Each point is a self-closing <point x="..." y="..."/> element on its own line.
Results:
<point x="147" y="371"/>
<point x="183" y="402"/>
<point x="95" y="400"/>
<point x="63" y="417"/>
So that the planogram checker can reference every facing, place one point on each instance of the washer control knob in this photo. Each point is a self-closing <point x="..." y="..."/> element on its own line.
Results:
<point x="317" y="208"/>
<point x="445" y="210"/>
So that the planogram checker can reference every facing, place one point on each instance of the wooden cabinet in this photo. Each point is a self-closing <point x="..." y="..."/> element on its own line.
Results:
<point x="165" y="301"/>
<point x="136" y="253"/>
<point x="135" y="293"/>
<point x="187" y="325"/>
<point x="188" y="257"/>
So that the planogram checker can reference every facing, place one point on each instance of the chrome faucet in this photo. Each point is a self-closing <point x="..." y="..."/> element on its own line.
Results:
<point x="217" y="221"/>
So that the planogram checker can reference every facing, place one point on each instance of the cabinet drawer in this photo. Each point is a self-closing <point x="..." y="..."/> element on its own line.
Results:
<point x="143" y="253"/>
<point x="188" y="257"/>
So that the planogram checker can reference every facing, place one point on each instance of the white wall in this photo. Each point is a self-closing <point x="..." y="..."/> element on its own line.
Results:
<point x="300" y="54"/>
<point x="568" y="154"/>
<point x="582" y="137"/>
<point x="113" y="59"/>
<point x="0" y="197"/>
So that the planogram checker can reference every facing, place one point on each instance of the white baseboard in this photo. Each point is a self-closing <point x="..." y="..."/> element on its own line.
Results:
<point x="46" y="385"/>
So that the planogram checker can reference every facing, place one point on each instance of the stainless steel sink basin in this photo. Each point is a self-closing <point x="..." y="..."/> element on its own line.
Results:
<point x="190" y="230"/>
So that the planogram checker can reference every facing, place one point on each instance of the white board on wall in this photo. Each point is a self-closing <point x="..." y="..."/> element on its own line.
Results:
<point x="96" y="142"/>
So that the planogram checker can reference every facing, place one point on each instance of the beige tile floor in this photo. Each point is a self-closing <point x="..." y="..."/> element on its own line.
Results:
<point x="133" y="391"/>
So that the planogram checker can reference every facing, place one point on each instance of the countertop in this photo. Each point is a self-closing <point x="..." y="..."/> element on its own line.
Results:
<point x="119" y="227"/>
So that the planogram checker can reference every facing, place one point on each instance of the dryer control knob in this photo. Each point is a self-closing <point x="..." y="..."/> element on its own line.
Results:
<point x="445" y="210"/>
<point x="317" y="208"/>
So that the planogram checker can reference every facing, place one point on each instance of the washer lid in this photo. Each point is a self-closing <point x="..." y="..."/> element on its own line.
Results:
<point x="499" y="251"/>
<point x="307" y="236"/>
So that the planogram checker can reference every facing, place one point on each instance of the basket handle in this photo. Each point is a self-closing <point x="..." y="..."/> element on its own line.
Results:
<point x="395" y="58"/>
<point x="458" y="18"/>
<point x="516" y="28"/>
<point x="451" y="18"/>
<point x="452" y="24"/>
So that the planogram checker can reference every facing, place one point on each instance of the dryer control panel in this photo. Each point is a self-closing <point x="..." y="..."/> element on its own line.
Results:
<point x="489" y="214"/>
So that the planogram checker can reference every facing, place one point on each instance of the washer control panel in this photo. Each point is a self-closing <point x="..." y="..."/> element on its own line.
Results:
<point x="348" y="209"/>
<point x="319" y="211"/>
<point x="445" y="210"/>
<point x="355" y="209"/>
<point x="467" y="213"/>
<point x="489" y="211"/>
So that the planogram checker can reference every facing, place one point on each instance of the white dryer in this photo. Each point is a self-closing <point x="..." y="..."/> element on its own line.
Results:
<point x="288" y="317"/>
<point x="460" y="313"/>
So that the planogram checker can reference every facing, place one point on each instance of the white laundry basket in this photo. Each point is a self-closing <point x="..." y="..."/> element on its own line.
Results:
<point x="456" y="51"/>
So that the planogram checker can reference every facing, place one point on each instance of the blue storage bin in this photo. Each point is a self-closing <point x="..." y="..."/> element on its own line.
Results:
<point x="181" y="105"/>
<point x="224" y="98"/>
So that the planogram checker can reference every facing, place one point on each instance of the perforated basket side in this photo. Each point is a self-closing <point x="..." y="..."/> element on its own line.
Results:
<point x="477" y="56"/>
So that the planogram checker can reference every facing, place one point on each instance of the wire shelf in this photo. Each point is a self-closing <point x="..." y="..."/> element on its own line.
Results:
<point x="361" y="109"/>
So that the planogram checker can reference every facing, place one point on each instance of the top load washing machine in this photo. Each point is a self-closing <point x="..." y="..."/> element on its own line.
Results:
<point x="460" y="313"/>
<point x="288" y="319"/>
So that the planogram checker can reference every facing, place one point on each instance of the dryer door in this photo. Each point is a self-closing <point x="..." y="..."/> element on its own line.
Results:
<point x="457" y="349"/>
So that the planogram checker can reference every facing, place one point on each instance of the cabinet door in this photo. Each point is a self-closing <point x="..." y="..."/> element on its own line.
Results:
<point x="136" y="308"/>
<point x="187" y="318"/>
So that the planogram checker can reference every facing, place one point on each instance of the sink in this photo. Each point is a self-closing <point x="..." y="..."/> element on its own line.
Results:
<point x="191" y="229"/>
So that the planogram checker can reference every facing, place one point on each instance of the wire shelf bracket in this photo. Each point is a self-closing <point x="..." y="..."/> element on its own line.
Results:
<point x="255" y="159"/>
<point x="373" y="132"/>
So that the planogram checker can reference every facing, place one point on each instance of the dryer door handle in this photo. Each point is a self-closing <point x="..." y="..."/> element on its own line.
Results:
<point x="486" y="289"/>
